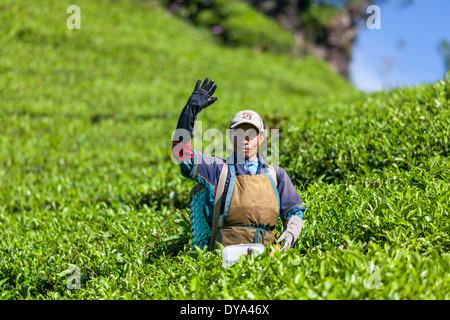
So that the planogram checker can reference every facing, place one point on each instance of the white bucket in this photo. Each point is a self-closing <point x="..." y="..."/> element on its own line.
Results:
<point x="231" y="253"/>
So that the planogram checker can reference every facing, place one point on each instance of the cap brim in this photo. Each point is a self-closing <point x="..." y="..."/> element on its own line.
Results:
<point x="241" y="122"/>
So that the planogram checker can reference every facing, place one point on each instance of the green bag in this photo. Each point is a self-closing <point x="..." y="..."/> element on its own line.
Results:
<point x="200" y="229"/>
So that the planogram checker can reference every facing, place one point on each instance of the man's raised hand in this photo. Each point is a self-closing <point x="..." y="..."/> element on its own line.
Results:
<point x="201" y="97"/>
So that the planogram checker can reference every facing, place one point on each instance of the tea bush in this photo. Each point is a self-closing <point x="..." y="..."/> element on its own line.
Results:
<point x="235" y="23"/>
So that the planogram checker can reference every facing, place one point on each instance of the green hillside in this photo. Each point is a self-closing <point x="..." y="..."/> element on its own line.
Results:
<point x="86" y="176"/>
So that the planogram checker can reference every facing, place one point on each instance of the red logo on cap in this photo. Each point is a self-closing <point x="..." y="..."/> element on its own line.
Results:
<point x="247" y="115"/>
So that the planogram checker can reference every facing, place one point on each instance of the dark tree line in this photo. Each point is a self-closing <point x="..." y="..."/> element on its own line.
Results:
<point x="326" y="29"/>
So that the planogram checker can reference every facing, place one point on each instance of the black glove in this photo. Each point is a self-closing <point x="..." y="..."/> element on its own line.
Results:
<point x="199" y="100"/>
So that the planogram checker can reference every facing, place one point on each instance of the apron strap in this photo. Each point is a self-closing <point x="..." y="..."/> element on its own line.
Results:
<point x="229" y="192"/>
<point x="257" y="232"/>
<point x="217" y="203"/>
<point x="274" y="187"/>
<point x="256" y="238"/>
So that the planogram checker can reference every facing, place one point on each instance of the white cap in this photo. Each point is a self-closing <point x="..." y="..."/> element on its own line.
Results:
<point x="248" y="116"/>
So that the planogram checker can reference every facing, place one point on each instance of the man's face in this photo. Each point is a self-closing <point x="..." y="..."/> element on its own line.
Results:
<point x="247" y="140"/>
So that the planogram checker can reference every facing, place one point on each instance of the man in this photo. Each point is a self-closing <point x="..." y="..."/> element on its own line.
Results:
<point x="253" y="197"/>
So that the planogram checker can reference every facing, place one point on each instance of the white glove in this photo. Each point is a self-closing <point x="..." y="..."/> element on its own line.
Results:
<point x="291" y="232"/>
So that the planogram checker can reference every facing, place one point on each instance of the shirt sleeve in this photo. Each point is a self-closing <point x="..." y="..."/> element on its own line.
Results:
<point x="290" y="202"/>
<point x="197" y="166"/>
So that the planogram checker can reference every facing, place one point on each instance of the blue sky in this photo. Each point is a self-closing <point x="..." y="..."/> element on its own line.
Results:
<point x="404" y="52"/>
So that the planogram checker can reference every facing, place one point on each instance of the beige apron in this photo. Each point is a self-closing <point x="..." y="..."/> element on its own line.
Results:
<point x="251" y="209"/>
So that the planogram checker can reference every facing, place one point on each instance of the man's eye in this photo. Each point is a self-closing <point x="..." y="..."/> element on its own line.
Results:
<point x="248" y="135"/>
